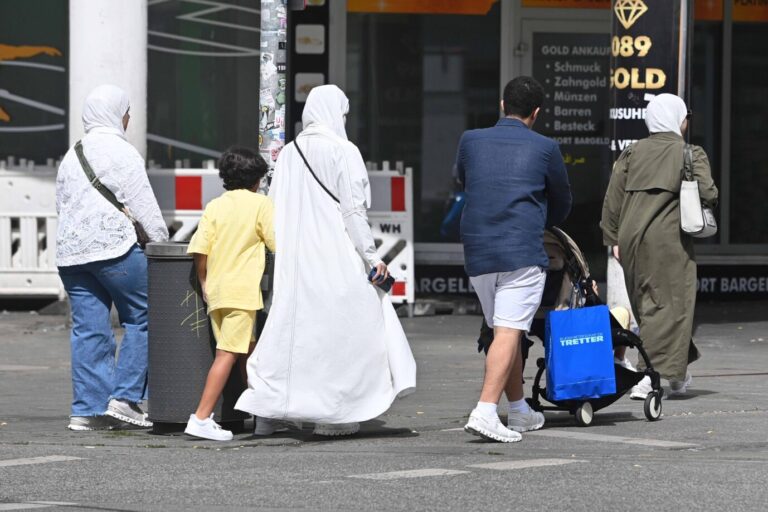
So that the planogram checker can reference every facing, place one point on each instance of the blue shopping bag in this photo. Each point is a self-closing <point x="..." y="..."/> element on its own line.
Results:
<point x="579" y="354"/>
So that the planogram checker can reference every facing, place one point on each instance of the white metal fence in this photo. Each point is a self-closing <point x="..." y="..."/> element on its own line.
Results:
<point x="28" y="221"/>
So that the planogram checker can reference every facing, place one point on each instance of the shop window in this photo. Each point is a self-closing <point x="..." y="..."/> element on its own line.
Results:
<point x="415" y="83"/>
<point x="705" y="95"/>
<point x="34" y="52"/>
<point x="203" y="80"/>
<point x="749" y="131"/>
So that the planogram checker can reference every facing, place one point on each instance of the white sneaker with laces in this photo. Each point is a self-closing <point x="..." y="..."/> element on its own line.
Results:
<point x="490" y="429"/>
<point x="207" y="429"/>
<point x="677" y="387"/>
<point x="641" y="390"/>
<point x="525" y="421"/>
<point x="336" y="429"/>
<point x="625" y="363"/>
<point x="127" y="412"/>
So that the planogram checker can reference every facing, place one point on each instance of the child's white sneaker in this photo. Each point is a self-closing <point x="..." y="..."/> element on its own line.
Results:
<point x="625" y="363"/>
<point x="207" y="429"/>
<point x="641" y="390"/>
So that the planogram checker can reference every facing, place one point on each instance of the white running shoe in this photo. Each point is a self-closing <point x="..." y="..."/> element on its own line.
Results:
<point x="677" y="387"/>
<point x="83" y="423"/>
<point x="525" y="421"/>
<point x="490" y="429"/>
<point x="127" y="412"/>
<point x="207" y="429"/>
<point x="336" y="429"/>
<point x="641" y="390"/>
<point x="625" y="363"/>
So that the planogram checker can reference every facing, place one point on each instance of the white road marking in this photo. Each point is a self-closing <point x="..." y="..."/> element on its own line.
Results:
<point x="460" y="429"/>
<point x="21" y="368"/>
<point x="22" y="506"/>
<point x="34" y="504"/>
<point x="414" y="473"/>
<point x="36" y="460"/>
<point x="584" y="436"/>
<point x="522" y="464"/>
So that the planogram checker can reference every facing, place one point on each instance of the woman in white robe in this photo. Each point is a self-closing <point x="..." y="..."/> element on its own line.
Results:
<point x="332" y="351"/>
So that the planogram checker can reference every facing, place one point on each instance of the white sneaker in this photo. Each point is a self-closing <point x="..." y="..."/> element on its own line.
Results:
<point x="490" y="429"/>
<point x="677" y="387"/>
<point x="336" y="429"/>
<point x="625" y="363"/>
<point x="207" y="429"/>
<point x="525" y="421"/>
<point x="127" y="412"/>
<point x="268" y="426"/>
<point x="641" y="390"/>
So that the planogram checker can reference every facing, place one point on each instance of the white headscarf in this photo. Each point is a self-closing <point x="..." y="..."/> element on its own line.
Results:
<point x="326" y="106"/>
<point x="665" y="113"/>
<point x="105" y="107"/>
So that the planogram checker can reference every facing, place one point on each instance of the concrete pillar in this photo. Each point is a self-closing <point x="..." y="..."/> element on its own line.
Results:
<point x="108" y="45"/>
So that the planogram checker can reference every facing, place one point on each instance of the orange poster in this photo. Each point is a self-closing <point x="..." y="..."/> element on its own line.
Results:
<point x="569" y="4"/>
<point x="421" y="6"/>
<point x="750" y="10"/>
<point x="708" y="10"/>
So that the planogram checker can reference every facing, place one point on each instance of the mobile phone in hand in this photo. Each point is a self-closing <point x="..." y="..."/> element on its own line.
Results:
<point x="386" y="285"/>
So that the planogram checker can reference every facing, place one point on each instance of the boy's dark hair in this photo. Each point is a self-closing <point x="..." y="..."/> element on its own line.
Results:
<point x="522" y="96"/>
<point x="241" y="168"/>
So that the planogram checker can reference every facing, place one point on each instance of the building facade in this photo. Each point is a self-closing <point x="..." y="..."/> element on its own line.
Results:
<point x="418" y="73"/>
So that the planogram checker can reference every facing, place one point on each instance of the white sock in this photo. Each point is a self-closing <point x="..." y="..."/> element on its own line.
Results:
<point x="487" y="409"/>
<point x="519" y="406"/>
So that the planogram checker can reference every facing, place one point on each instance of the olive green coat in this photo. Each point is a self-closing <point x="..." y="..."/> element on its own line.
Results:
<point x="641" y="214"/>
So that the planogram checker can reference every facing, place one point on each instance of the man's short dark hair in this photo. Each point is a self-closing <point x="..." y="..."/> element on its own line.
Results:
<point x="241" y="168"/>
<point x="522" y="96"/>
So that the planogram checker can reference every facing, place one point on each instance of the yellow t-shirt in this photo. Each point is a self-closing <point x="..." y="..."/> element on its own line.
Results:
<point x="233" y="232"/>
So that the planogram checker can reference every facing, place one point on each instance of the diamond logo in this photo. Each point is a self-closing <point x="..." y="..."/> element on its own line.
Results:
<point x="629" y="11"/>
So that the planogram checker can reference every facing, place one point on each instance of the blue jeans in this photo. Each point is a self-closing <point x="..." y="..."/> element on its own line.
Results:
<point x="97" y="374"/>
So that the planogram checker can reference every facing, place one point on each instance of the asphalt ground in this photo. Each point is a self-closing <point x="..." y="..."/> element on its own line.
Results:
<point x="708" y="452"/>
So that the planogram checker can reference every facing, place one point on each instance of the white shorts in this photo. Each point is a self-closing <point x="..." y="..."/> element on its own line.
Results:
<point x="510" y="299"/>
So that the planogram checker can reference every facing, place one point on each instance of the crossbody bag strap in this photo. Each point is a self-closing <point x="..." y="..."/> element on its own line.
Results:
<point x="687" y="163"/>
<point x="296" y="144"/>
<point x="97" y="184"/>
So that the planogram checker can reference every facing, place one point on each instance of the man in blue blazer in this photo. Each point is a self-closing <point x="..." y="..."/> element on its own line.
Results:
<point x="516" y="185"/>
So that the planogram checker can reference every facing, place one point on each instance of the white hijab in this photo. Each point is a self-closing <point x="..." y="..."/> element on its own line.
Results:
<point x="105" y="107"/>
<point x="665" y="113"/>
<point x="326" y="106"/>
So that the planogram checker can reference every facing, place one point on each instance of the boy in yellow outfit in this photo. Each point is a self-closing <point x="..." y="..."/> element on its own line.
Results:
<point x="228" y="249"/>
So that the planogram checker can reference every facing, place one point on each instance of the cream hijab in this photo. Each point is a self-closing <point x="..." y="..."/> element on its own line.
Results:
<point x="326" y="107"/>
<point x="665" y="113"/>
<point x="105" y="107"/>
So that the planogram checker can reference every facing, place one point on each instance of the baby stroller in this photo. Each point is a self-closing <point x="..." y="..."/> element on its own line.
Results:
<point x="569" y="285"/>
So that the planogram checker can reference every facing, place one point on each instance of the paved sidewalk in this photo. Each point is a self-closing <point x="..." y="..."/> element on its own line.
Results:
<point x="709" y="452"/>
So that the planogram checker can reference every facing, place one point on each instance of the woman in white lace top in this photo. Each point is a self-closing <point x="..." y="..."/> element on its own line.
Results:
<point x="100" y="264"/>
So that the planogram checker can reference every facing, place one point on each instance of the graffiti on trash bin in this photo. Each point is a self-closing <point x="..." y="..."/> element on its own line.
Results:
<point x="198" y="319"/>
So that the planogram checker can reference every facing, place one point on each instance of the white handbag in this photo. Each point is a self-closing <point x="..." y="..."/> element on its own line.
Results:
<point x="695" y="220"/>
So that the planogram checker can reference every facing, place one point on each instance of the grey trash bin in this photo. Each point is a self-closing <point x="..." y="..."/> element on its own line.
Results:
<point x="181" y="344"/>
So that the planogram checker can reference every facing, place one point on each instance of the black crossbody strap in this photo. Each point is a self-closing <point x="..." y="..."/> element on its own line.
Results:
<point x="687" y="163"/>
<point x="104" y="191"/>
<point x="296" y="144"/>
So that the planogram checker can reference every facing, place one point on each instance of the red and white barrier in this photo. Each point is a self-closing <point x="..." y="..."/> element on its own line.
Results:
<point x="391" y="219"/>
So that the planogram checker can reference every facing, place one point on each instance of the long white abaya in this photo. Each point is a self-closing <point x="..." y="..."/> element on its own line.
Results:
<point x="332" y="349"/>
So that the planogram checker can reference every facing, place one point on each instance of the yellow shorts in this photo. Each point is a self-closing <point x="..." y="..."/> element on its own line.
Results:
<point x="233" y="329"/>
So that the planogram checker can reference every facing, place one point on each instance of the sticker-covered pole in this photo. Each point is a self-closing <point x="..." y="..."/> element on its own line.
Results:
<point x="272" y="90"/>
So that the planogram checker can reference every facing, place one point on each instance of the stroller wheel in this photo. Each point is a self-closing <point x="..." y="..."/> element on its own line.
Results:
<point x="584" y="414"/>
<point x="652" y="406"/>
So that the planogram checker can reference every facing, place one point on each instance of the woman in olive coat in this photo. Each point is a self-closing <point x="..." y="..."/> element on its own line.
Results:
<point x="641" y="223"/>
